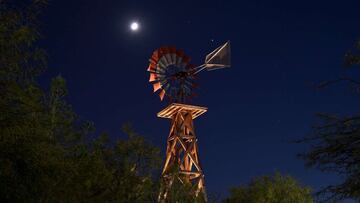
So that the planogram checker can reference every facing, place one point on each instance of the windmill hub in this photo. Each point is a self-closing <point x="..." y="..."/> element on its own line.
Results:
<point x="181" y="75"/>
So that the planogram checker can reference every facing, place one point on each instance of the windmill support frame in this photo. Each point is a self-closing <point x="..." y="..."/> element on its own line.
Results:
<point x="182" y="150"/>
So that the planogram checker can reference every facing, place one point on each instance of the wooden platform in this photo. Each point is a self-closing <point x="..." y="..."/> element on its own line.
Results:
<point x="173" y="108"/>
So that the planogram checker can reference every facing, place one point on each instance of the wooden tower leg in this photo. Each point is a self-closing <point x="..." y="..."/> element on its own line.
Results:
<point x="182" y="151"/>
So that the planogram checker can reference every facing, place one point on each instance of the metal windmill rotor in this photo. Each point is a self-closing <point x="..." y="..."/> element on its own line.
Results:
<point x="172" y="74"/>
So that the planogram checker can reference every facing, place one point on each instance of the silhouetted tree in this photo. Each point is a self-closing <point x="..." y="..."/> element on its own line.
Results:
<point x="352" y="57"/>
<point x="45" y="154"/>
<point x="270" y="189"/>
<point x="335" y="145"/>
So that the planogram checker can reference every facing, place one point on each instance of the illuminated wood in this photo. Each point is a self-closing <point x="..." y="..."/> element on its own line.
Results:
<point x="173" y="108"/>
<point x="182" y="148"/>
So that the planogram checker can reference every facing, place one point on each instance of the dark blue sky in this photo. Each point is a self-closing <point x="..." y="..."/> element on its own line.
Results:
<point x="256" y="107"/>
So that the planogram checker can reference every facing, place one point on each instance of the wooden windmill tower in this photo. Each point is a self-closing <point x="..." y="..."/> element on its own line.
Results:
<point x="173" y="75"/>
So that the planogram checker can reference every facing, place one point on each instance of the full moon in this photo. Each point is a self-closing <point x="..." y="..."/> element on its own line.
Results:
<point x="134" y="26"/>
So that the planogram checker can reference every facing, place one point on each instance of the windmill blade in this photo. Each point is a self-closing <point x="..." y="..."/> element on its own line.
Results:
<point x="179" y="55"/>
<point x="163" y="82"/>
<point x="160" y="66"/>
<point x="156" y="86"/>
<point x="162" y="94"/>
<point x="157" y="78"/>
<point x="163" y="62"/>
<point x="152" y="69"/>
<point x="155" y="56"/>
<point x="155" y="67"/>
<point x="173" y="91"/>
<point x="165" y="51"/>
<point x="219" y="58"/>
<point x="173" y="59"/>
<point x="158" y="73"/>
<point x="160" y="76"/>
<point x="173" y="55"/>
<point x="178" y="61"/>
<point x="188" y="82"/>
<point x="166" y="88"/>
<point x="187" y="90"/>
<point x="153" y="77"/>
<point x="169" y="58"/>
<point x="153" y="61"/>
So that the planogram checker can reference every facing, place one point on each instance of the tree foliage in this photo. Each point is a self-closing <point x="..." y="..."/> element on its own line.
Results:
<point x="335" y="145"/>
<point x="270" y="189"/>
<point x="45" y="152"/>
<point x="352" y="57"/>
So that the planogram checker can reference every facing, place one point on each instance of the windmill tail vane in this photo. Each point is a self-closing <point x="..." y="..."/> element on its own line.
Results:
<point x="172" y="74"/>
<point x="219" y="58"/>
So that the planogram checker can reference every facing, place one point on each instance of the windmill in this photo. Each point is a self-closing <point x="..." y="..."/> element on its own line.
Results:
<point x="174" y="77"/>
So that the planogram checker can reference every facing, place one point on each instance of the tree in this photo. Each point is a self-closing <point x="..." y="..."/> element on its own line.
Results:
<point x="122" y="173"/>
<point x="45" y="152"/>
<point x="270" y="189"/>
<point x="352" y="57"/>
<point x="26" y="158"/>
<point x="335" y="145"/>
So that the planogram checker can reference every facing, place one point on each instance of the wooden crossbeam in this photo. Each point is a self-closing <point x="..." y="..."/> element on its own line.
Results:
<point x="182" y="148"/>
<point x="173" y="108"/>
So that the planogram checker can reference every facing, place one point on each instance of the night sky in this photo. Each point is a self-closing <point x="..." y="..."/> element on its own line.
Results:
<point x="280" y="50"/>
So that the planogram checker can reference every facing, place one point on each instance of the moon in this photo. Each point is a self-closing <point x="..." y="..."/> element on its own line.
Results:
<point x="134" y="26"/>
